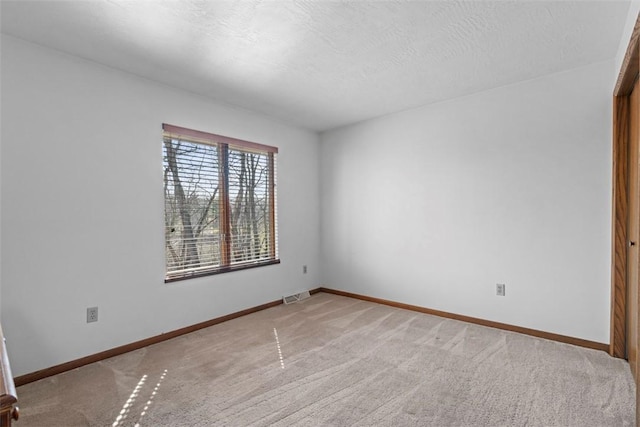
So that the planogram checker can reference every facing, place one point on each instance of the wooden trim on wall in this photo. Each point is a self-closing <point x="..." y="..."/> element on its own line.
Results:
<point x="617" y="340"/>
<point x="177" y="132"/>
<point x="629" y="68"/>
<point x="73" y="364"/>
<point x="624" y="86"/>
<point x="519" y="329"/>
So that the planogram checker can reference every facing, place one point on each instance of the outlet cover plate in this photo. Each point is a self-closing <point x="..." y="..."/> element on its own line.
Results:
<point x="500" y="289"/>
<point x="92" y="314"/>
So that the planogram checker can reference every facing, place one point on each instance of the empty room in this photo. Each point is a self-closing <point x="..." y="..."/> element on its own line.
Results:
<point x="319" y="213"/>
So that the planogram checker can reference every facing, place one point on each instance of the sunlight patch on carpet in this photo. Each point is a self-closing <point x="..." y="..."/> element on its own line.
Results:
<point x="128" y="405"/>
<point x="153" y="394"/>
<point x="126" y="408"/>
<point x="275" y="333"/>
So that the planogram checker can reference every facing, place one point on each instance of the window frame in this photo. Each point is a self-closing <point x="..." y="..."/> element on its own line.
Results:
<point x="223" y="145"/>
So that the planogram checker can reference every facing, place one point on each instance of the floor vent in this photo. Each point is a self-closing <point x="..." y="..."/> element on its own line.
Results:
<point x="290" y="299"/>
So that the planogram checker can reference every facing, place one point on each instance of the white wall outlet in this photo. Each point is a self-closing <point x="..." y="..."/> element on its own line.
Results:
<point x="304" y="269"/>
<point x="92" y="314"/>
<point x="500" y="289"/>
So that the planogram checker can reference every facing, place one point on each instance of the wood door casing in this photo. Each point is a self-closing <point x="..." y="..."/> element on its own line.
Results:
<point x="625" y="260"/>
<point x="633" y="231"/>
<point x="629" y="70"/>
<point x="619" y="224"/>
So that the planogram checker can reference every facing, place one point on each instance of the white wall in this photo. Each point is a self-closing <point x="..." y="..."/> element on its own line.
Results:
<point x="632" y="17"/>
<point x="436" y="205"/>
<point x="82" y="211"/>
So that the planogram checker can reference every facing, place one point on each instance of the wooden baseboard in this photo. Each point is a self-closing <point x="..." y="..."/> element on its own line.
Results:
<point x="73" y="364"/>
<point x="533" y="332"/>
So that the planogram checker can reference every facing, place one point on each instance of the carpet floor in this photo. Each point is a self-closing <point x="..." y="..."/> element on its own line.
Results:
<point x="337" y="361"/>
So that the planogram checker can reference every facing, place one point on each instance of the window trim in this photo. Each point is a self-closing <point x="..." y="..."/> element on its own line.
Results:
<point x="224" y="144"/>
<point x="212" y="138"/>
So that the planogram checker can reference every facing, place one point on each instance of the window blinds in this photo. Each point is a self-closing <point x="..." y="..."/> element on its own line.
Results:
<point x="220" y="210"/>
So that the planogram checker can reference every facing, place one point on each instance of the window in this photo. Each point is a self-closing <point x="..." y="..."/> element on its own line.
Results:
<point x="219" y="198"/>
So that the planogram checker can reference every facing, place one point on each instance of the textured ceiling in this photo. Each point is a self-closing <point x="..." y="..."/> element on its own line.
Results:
<point x="320" y="64"/>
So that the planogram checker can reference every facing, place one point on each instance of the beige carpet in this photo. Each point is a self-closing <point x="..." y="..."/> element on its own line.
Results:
<point x="337" y="361"/>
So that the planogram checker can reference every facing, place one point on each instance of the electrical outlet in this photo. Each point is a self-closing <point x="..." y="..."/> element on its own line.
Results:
<point x="500" y="289"/>
<point x="92" y="314"/>
<point x="304" y="269"/>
